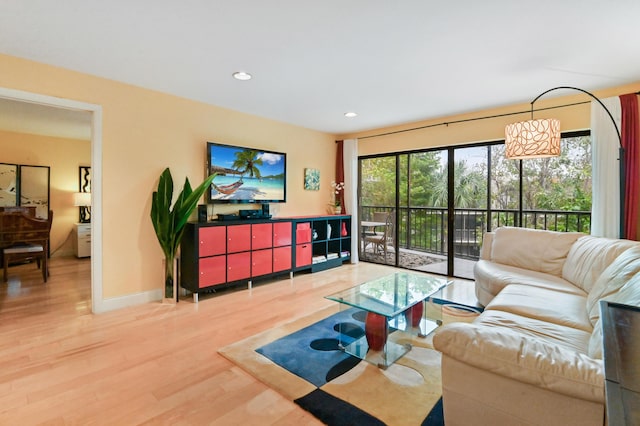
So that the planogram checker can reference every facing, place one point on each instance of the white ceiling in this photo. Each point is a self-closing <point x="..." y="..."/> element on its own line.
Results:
<point x="391" y="62"/>
<point x="24" y="117"/>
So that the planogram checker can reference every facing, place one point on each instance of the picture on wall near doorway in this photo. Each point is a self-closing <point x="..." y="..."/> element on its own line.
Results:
<point x="84" y="188"/>
<point x="312" y="179"/>
<point x="85" y="179"/>
<point x="8" y="185"/>
<point x="34" y="189"/>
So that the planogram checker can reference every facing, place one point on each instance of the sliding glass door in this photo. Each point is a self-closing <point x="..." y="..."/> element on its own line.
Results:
<point x="470" y="199"/>
<point x="378" y="213"/>
<point x="428" y="210"/>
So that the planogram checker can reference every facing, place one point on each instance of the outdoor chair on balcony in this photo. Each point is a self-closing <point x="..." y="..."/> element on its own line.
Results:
<point x="382" y="241"/>
<point x="380" y="217"/>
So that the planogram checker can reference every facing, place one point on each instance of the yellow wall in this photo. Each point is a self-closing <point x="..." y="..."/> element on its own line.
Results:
<point x="144" y="132"/>
<point x="63" y="156"/>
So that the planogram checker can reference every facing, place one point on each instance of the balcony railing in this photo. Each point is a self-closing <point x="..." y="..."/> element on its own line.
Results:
<point x="425" y="228"/>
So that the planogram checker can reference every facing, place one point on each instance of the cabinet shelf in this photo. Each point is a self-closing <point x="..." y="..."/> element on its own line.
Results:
<point x="329" y="247"/>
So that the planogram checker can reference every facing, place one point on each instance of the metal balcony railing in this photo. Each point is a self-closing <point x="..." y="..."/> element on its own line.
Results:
<point x="425" y="228"/>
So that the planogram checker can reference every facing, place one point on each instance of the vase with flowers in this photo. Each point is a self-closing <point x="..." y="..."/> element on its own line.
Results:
<point x="336" y="199"/>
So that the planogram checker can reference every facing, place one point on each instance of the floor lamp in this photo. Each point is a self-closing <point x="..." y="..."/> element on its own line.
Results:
<point x="541" y="138"/>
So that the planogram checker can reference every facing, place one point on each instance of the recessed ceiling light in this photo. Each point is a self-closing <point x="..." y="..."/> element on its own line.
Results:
<point x="350" y="114"/>
<point x="241" y="75"/>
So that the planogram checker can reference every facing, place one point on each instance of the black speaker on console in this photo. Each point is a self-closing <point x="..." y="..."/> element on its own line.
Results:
<point x="265" y="210"/>
<point x="202" y="213"/>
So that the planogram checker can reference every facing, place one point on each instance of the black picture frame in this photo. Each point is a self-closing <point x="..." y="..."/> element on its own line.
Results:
<point x="84" y="185"/>
<point x="84" y="179"/>
<point x="34" y="188"/>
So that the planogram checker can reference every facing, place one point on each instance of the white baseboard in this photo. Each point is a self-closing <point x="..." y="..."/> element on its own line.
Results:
<point x="130" y="300"/>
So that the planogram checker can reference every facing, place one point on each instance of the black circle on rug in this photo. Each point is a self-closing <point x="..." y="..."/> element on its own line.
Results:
<point x="325" y="345"/>
<point x="349" y="329"/>
<point x="360" y="316"/>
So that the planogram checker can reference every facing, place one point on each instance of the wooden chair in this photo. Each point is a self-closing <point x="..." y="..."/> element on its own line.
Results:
<point x="385" y="239"/>
<point x="22" y="238"/>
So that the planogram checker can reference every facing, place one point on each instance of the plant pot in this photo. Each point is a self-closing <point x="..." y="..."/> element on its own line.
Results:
<point x="337" y="210"/>
<point x="170" y="290"/>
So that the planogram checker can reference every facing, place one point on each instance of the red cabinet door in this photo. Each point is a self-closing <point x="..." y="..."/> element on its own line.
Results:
<point x="303" y="233"/>
<point x="238" y="238"/>
<point x="281" y="234"/>
<point x="261" y="236"/>
<point x="212" y="271"/>
<point x="261" y="262"/>
<point x="212" y="240"/>
<point x="238" y="266"/>
<point x="303" y="255"/>
<point x="281" y="258"/>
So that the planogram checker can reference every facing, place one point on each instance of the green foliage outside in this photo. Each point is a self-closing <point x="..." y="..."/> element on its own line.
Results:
<point x="560" y="184"/>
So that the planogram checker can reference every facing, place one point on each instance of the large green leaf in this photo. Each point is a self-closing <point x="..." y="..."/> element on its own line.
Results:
<point x="168" y="222"/>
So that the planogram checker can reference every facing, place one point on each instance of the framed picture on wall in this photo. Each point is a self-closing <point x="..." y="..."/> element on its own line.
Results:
<point x="8" y="185"/>
<point x="84" y="184"/>
<point x="34" y="189"/>
<point x="312" y="179"/>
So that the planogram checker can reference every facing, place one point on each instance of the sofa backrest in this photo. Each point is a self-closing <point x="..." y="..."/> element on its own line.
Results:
<point x="612" y="279"/>
<point x="629" y="294"/>
<point x="533" y="249"/>
<point x="589" y="257"/>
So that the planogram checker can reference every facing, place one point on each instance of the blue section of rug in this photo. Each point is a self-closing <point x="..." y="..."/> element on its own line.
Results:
<point x="312" y="353"/>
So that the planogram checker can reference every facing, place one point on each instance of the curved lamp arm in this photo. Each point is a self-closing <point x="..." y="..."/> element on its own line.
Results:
<point x="621" y="149"/>
<point x="590" y="94"/>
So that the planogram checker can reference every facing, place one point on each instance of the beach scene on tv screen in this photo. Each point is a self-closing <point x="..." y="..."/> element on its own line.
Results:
<point x="246" y="174"/>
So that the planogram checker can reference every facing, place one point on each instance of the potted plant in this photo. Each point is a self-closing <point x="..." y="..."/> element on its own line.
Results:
<point x="337" y="188"/>
<point x="169" y="222"/>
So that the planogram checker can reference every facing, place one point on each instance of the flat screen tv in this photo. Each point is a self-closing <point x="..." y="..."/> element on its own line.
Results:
<point x="246" y="175"/>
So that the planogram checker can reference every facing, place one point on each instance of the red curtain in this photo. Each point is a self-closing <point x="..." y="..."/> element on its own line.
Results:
<point x="631" y="143"/>
<point x="340" y="172"/>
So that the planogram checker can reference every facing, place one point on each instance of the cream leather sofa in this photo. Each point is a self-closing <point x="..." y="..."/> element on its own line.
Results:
<point x="534" y="356"/>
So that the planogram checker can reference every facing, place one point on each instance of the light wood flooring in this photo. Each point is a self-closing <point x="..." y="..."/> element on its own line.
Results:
<point x="151" y="364"/>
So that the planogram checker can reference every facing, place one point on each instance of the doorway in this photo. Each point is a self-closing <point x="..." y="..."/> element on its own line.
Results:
<point x="97" y="304"/>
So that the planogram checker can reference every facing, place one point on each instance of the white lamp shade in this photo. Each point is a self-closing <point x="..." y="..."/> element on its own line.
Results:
<point x="82" y="199"/>
<point x="533" y="139"/>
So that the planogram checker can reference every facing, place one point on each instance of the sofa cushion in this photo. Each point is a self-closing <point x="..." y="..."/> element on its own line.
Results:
<point x="629" y="294"/>
<point x="537" y="250"/>
<point x="493" y="277"/>
<point x="515" y="356"/>
<point x="544" y="304"/>
<point x="589" y="257"/>
<point x="553" y="334"/>
<point x="612" y="279"/>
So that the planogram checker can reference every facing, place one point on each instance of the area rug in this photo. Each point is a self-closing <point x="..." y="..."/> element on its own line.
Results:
<point x="301" y="361"/>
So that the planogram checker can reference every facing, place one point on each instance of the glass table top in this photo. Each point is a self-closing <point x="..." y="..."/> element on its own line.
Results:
<point x="392" y="294"/>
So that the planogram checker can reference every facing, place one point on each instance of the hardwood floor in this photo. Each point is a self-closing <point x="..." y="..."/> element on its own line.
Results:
<point x="151" y="364"/>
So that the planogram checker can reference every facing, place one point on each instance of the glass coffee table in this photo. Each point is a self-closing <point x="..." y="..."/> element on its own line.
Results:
<point x="394" y="306"/>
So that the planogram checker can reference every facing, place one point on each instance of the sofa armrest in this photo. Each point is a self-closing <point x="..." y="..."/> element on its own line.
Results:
<point x="485" y="250"/>
<point x="527" y="360"/>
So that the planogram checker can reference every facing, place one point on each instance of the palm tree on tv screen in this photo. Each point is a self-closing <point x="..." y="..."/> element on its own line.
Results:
<point x="247" y="162"/>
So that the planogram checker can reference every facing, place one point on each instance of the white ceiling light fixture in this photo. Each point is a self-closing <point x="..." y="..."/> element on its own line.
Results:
<point x="242" y="76"/>
<point x="350" y="114"/>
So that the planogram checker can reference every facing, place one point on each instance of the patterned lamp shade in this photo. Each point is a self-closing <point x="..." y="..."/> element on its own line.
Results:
<point x="533" y="139"/>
